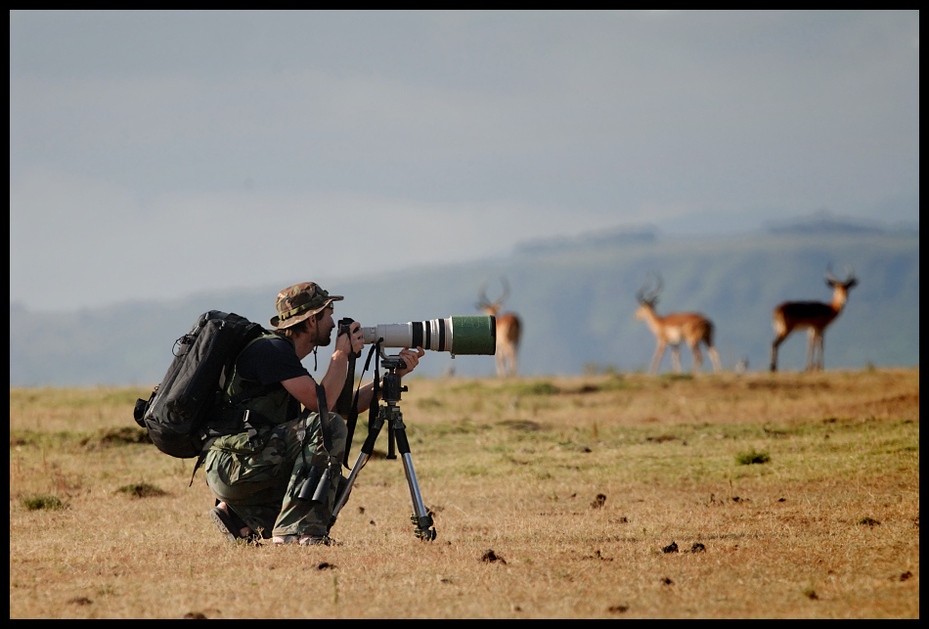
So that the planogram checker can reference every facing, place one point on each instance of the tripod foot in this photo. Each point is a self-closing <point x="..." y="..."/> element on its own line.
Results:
<point x="424" y="528"/>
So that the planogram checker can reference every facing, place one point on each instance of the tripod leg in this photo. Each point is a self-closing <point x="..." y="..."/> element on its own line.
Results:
<point x="347" y="488"/>
<point x="421" y="516"/>
<point x="391" y="445"/>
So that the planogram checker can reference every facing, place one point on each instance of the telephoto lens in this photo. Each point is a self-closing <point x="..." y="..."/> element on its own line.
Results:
<point x="459" y="335"/>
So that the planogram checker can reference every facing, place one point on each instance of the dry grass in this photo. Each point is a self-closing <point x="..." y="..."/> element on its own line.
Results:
<point x="786" y="496"/>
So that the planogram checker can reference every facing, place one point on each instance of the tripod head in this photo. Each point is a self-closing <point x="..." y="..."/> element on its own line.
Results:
<point x="392" y="363"/>
<point x="392" y="387"/>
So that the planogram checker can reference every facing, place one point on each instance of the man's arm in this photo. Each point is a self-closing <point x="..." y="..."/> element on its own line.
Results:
<point x="304" y="388"/>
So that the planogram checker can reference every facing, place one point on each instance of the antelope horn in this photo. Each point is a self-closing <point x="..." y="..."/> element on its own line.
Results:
<point x="849" y="275"/>
<point x="482" y="296"/>
<point x="506" y="289"/>
<point x="648" y="294"/>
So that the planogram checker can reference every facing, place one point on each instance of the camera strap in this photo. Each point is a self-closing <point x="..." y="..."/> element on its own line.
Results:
<point x="353" y="411"/>
<point x="324" y="417"/>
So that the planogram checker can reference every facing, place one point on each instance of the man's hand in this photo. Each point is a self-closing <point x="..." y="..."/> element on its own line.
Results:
<point x="353" y="342"/>
<point x="410" y="358"/>
<point x="357" y="337"/>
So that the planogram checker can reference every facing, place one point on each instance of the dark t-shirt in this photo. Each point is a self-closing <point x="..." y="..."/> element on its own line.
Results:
<point x="270" y="360"/>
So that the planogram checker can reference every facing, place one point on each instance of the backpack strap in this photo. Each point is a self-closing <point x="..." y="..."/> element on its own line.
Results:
<point x="323" y="413"/>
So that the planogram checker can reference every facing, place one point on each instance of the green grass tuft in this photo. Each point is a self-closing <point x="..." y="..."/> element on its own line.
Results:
<point x="142" y="490"/>
<point x="753" y="457"/>
<point x="43" y="501"/>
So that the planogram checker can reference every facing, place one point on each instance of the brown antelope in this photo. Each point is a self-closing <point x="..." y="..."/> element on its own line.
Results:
<point x="508" y="330"/>
<point x="813" y="315"/>
<point x="690" y="327"/>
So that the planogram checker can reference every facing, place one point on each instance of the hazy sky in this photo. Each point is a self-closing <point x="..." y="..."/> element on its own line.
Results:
<point x="156" y="154"/>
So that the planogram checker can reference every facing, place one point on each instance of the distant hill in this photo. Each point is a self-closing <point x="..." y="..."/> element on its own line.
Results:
<point x="576" y="298"/>
<point x="828" y="224"/>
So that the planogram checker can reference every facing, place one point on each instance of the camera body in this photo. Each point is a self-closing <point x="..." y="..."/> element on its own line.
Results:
<point x="344" y="325"/>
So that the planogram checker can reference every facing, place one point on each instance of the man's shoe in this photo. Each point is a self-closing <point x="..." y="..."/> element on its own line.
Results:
<point x="318" y="540"/>
<point x="306" y="540"/>
<point x="231" y="525"/>
<point x="285" y="539"/>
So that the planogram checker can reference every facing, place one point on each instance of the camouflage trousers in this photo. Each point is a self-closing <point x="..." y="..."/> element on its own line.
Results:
<point x="260" y="477"/>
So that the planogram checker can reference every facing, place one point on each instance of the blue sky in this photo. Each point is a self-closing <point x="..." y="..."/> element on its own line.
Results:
<point x="158" y="154"/>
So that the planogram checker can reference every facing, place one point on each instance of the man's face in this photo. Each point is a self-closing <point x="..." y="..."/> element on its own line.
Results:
<point x="324" y="327"/>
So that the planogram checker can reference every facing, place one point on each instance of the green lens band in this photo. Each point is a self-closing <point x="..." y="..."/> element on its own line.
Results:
<point x="473" y="334"/>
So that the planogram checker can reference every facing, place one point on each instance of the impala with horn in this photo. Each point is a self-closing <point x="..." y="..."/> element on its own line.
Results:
<point x="672" y="329"/>
<point x="509" y="328"/>
<point x="815" y="316"/>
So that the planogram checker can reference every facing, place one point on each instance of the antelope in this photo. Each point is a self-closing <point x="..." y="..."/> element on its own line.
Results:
<point x="691" y="327"/>
<point x="813" y="315"/>
<point x="508" y="330"/>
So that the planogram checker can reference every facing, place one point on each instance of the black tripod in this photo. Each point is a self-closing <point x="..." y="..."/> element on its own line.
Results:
<point x="389" y="413"/>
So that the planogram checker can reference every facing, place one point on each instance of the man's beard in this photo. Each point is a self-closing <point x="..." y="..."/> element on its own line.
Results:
<point x="323" y="340"/>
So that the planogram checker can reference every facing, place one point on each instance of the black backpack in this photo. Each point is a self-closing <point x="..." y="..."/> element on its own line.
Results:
<point x="187" y="409"/>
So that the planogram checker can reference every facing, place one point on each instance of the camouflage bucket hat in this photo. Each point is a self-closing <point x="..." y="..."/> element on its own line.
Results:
<point x="299" y="302"/>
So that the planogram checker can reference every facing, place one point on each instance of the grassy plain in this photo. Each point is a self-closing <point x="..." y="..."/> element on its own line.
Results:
<point x="608" y="495"/>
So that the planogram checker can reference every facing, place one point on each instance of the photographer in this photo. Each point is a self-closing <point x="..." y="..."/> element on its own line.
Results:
<point x="260" y="475"/>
